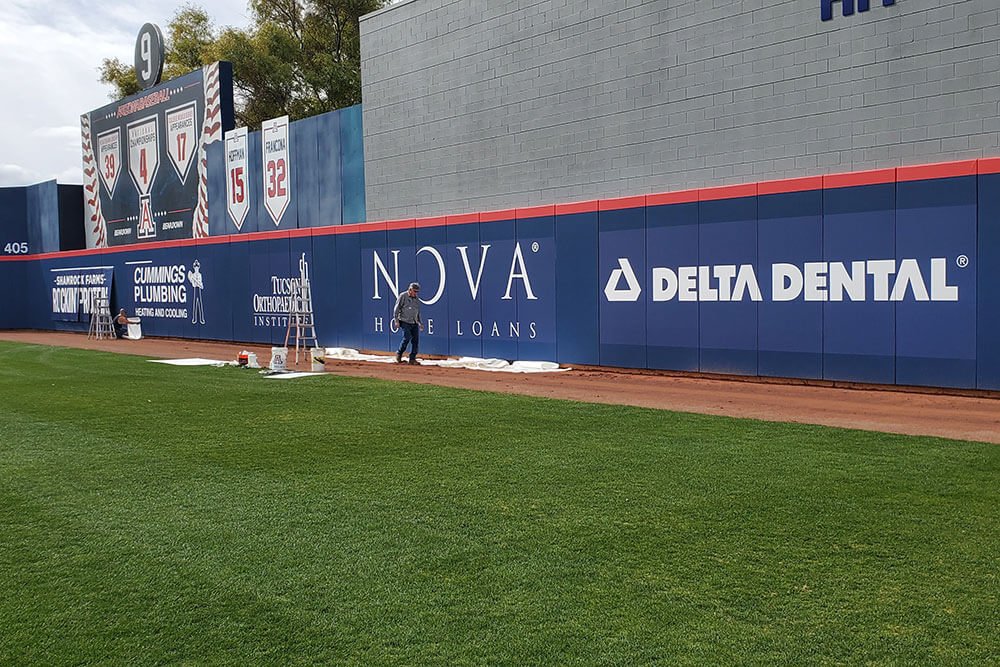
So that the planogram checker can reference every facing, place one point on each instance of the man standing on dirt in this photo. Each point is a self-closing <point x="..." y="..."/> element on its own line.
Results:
<point x="407" y="316"/>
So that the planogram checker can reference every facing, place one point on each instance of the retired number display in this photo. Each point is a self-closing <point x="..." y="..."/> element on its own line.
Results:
<point x="277" y="170"/>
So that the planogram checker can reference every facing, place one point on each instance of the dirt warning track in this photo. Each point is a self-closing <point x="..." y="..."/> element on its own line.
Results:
<point x="967" y="417"/>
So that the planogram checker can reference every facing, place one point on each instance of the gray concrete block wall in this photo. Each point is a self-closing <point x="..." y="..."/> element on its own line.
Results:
<point x="473" y="105"/>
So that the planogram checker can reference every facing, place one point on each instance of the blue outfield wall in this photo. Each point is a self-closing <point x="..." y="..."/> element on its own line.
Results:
<point x="886" y="277"/>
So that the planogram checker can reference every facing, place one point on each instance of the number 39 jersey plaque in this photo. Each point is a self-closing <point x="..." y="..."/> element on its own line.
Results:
<point x="131" y="194"/>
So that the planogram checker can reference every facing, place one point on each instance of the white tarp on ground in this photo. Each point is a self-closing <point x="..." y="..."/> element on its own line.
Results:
<point x="474" y="363"/>
<point x="188" y="362"/>
<point x="288" y="375"/>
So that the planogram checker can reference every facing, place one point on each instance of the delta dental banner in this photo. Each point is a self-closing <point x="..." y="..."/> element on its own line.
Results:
<point x="73" y="290"/>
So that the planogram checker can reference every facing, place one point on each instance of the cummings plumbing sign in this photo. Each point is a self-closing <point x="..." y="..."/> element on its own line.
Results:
<point x="167" y="291"/>
<point x="862" y="280"/>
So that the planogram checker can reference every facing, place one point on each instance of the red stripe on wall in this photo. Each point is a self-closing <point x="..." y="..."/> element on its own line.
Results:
<point x="680" y="197"/>
<point x="790" y="185"/>
<point x="943" y="170"/>
<point x="619" y="203"/>
<point x="577" y="207"/>
<point x="876" y="177"/>
<point x="727" y="192"/>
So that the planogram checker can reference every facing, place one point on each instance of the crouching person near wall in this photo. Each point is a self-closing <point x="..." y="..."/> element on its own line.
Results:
<point x="407" y="316"/>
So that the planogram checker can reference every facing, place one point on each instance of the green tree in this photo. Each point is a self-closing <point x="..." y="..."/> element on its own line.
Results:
<point x="298" y="57"/>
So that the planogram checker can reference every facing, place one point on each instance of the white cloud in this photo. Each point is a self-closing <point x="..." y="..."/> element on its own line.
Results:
<point x="50" y="52"/>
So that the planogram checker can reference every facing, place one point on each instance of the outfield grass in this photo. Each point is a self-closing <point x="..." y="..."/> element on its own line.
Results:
<point x="153" y="514"/>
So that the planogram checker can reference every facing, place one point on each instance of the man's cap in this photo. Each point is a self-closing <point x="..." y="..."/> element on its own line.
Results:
<point x="415" y="286"/>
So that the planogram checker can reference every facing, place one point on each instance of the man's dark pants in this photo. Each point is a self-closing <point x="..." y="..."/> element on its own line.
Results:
<point x="411" y="332"/>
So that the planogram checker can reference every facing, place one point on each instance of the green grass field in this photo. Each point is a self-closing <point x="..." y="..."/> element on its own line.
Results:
<point x="154" y="514"/>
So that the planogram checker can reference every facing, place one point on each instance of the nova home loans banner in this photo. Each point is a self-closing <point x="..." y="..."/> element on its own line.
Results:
<point x="73" y="290"/>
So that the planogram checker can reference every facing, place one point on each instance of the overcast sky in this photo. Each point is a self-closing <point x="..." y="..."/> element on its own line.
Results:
<point x="50" y="51"/>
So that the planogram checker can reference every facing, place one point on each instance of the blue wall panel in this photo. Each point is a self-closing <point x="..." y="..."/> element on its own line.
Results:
<point x="281" y="271"/>
<point x="621" y="251"/>
<point x="216" y="296"/>
<point x="465" y="288"/>
<point x="499" y="306"/>
<point x="14" y="219"/>
<point x="578" y="289"/>
<point x="790" y="231"/>
<point x="326" y="291"/>
<point x="728" y="330"/>
<point x="536" y="311"/>
<point x="306" y="159"/>
<point x="434" y="312"/>
<point x="42" y="213"/>
<point x="936" y="340"/>
<point x="672" y="325"/>
<point x="988" y="259"/>
<point x="378" y="295"/>
<point x="350" y="292"/>
<point x="352" y="164"/>
<point x="219" y="223"/>
<point x="258" y="219"/>
<point x="859" y="337"/>
<point x="330" y="190"/>
<point x="240" y="290"/>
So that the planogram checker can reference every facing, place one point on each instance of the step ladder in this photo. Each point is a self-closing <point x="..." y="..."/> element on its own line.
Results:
<point x="300" y="315"/>
<point x="101" y="325"/>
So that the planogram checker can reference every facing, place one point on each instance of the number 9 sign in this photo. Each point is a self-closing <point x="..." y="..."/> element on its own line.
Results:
<point x="149" y="56"/>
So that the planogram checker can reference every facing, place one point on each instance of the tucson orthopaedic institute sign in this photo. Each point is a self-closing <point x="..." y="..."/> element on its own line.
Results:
<point x="848" y="6"/>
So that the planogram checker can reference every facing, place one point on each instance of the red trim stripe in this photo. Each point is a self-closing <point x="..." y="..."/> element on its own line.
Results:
<point x="494" y="216"/>
<point x="943" y="170"/>
<point x="577" y="207"/>
<point x="790" y="185"/>
<point x="681" y="197"/>
<point x="727" y="192"/>
<point x="619" y="203"/>
<point x="854" y="179"/>
<point x="548" y="210"/>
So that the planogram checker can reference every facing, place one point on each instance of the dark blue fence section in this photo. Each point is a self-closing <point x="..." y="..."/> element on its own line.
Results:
<point x="884" y="282"/>
<point x="42" y="212"/>
<point x="988" y="263"/>
<point x="14" y="238"/>
<point x="790" y="330"/>
<point x="672" y="325"/>
<point x="577" y="283"/>
<point x="859" y="337"/>
<point x="352" y="164"/>
<point x="728" y="311"/>
<point x="936" y="224"/>
<point x="622" y="263"/>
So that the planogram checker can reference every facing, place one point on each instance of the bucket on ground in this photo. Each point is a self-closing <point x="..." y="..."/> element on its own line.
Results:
<point x="279" y="358"/>
<point x="318" y="356"/>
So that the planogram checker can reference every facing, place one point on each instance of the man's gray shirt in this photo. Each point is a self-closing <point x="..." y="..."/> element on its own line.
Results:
<point x="407" y="309"/>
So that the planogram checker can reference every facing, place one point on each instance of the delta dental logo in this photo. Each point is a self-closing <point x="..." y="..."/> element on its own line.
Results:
<point x="847" y="7"/>
<point x="865" y="280"/>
